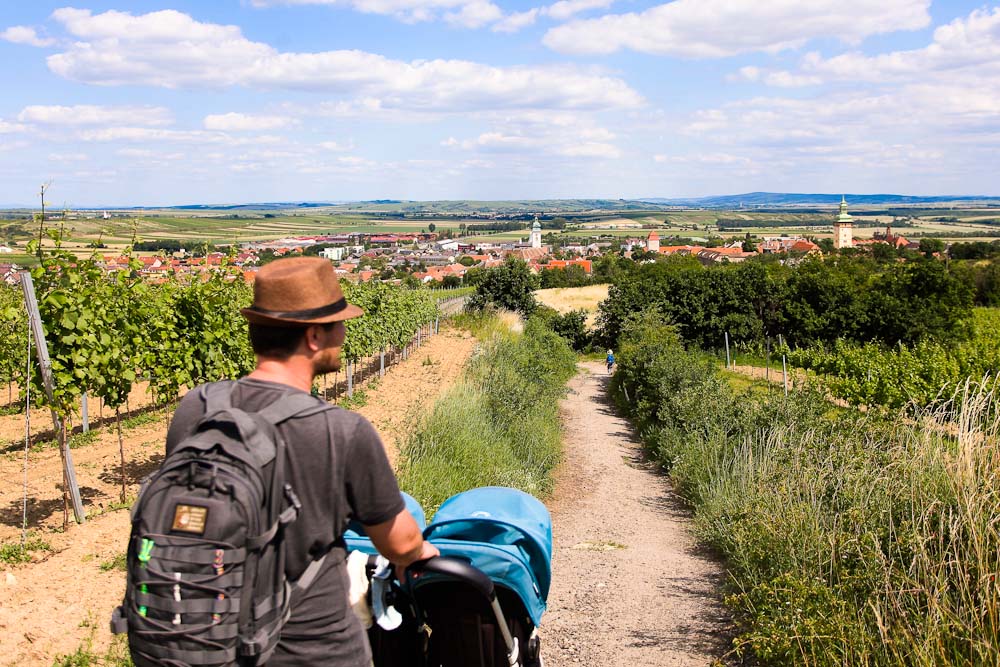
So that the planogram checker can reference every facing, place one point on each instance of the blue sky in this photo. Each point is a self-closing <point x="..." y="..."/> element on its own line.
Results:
<point x="174" y="102"/>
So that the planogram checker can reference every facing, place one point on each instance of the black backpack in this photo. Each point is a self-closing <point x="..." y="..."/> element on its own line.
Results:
<point x="206" y="558"/>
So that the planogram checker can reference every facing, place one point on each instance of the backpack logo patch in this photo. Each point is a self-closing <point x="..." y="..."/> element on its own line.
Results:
<point x="190" y="519"/>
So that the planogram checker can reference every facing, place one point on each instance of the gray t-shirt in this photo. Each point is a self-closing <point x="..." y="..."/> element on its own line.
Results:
<point x="337" y="466"/>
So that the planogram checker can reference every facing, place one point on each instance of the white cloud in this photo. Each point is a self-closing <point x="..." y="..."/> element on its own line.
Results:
<point x="144" y="154"/>
<point x="516" y="21"/>
<point x="335" y="146"/>
<point x="945" y="92"/>
<point x="13" y="145"/>
<point x="963" y="52"/>
<point x="560" y="11"/>
<point x="146" y="134"/>
<point x="851" y="137"/>
<point x="68" y="157"/>
<point x="410" y="11"/>
<point x="10" y="128"/>
<point x="474" y="14"/>
<point x="240" y="122"/>
<point x="170" y="49"/>
<point x="565" y="9"/>
<point x="720" y="28"/>
<point x="538" y="133"/>
<point x="776" y="78"/>
<point x="85" y="114"/>
<point x="20" y="34"/>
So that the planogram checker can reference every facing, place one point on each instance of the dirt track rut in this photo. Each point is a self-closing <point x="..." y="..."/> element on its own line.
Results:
<point x="631" y="587"/>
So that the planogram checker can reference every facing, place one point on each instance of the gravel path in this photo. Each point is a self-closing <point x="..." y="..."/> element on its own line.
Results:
<point x="631" y="586"/>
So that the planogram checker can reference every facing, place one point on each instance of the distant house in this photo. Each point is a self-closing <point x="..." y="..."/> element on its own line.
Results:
<point x="8" y="274"/>
<point x="787" y="244"/>
<point x="447" y="245"/>
<point x="530" y="254"/>
<point x="586" y="264"/>
<point x="681" y="249"/>
<point x="4" y="249"/>
<point x="717" y="255"/>
<point x="334" y="254"/>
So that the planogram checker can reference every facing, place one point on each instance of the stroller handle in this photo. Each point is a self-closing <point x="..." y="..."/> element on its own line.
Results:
<point x="456" y="569"/>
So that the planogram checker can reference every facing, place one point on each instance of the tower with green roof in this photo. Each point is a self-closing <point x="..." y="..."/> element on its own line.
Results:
<point x="843" y="227"/>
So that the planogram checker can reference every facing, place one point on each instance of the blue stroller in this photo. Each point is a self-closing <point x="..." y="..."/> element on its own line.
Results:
<point x="481" y="602"/>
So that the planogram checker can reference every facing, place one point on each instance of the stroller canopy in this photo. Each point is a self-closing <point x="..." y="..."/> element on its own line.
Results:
<point x="514" y="532"/>
<point x="356" y="538"/>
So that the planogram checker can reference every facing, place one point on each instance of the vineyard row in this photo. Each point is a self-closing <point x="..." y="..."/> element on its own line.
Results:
<point x="105" y="331"/>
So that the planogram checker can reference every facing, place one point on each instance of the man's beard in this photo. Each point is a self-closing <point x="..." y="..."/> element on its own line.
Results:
<point x="327" y="362"/>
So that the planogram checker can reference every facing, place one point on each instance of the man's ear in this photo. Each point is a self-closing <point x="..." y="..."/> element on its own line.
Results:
<point x="314" y="338"/>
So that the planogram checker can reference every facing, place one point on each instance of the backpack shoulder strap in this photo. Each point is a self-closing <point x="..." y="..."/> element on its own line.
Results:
<point x="293" y="405"/>
<point x="218" y="396"/>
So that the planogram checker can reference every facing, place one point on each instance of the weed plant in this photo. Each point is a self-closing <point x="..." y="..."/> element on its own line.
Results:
<point x="15" y="553"/>
<point x="499" y="426"/>
<point x="116" y="655"/>
<point x="850" y="538"/>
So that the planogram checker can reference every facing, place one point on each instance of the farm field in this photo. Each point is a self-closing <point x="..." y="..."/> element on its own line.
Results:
<point x="566" y="299"/>
<point x="74" y="586"/>
<point x="247" y="224"/>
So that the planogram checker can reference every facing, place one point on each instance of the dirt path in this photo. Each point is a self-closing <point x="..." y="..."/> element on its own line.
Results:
<point x="51" y="606"/>
<point x="402" y="396"/>
<point x="631" y="586"/>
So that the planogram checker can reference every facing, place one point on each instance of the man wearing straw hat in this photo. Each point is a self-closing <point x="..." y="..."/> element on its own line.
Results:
<point x="335" y="460"/>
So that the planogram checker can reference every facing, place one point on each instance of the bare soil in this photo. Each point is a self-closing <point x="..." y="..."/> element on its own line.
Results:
<point x="51" y="606"/>
<point x="631" y="586"/>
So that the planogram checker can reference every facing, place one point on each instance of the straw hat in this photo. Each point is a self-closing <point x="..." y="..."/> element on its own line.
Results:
<point x="298" y="291"/>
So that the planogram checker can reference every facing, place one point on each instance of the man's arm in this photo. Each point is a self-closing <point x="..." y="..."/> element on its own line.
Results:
<point x="399" y="540"/>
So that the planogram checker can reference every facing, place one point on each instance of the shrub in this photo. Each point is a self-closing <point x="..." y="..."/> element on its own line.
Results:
<point x="510" y="286"/>
<point x="850" y="538"/>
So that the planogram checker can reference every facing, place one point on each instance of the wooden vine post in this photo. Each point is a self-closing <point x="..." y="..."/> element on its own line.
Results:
<point x="42" y="349"/>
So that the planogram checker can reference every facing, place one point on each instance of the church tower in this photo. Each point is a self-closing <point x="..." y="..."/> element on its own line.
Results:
<point x="536" y="234"/>
<point x="653" y="242"/>
<point x="843" y="227"/>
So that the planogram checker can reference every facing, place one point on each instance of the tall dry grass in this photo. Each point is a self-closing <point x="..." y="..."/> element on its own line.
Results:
<point x="567" y="299"/>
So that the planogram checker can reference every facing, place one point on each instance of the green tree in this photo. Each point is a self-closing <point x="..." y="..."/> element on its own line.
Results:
<point x="510" y="286"/>
<point x="883" y="252"/>
<point x="931" y="246"/>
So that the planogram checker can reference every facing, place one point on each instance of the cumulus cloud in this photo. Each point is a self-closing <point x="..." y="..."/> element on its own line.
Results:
<point x="559" y="11"/>
<point x="86" y="114"/>
<point x="516" y="21"/>
<point x="474" y="14"/>
<point x="68" y="157"/>
<point x="20" y="34"/>
<point x="538" y="133"/>
<point x="950" y="88"/>
<point x="852" y="137"/>
<point x="565" y="9"/>
<point x="335" y="146"/>
<point x="466" y="13"/>
<point x="9" y="128"/>
<point x="964" y="52"/>
<point x="170" y="49"/>
<point x="240" y="122"/>
<point x="720" y="28"/>
<point x="148" y="134"/>
<point x="777" y="78"/>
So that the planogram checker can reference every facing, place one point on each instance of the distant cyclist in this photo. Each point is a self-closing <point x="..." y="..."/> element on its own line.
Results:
<point x="610" y="360"/>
